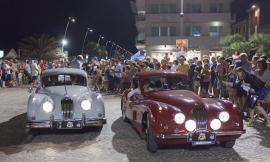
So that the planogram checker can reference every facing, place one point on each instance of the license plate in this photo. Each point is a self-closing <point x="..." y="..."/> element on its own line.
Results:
<point x="202" y="138"/>
<point x="69" y="125"/>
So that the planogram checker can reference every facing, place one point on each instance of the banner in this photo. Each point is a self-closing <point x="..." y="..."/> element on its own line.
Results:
<point x="182" y="44"/>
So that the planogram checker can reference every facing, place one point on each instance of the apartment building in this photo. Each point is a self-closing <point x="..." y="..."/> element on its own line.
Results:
<point x="200" y="23"/>
<point x="252" y="17"/>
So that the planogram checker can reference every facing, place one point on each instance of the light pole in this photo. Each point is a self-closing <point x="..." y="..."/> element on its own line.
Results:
<point x="182" y="18"/>
<point x="100" y="37"/>
<point x="87" y="31"/>
<point x="70" y="19"/>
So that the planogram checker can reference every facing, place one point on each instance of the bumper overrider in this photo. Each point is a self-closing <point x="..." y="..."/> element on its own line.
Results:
<point x="66" y="124"/>
<point x="187" y="135"/>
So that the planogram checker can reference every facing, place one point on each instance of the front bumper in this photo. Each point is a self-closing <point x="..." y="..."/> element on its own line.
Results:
<point x="186" y="135"/>
<point x="50" y="124"/>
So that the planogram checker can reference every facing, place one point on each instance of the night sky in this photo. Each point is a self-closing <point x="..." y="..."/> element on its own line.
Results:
<point x="111" y="18"/>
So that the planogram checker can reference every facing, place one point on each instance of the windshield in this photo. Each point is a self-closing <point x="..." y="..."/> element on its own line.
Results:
<point x="164" y="83"/>
<point x="63" y="79"/>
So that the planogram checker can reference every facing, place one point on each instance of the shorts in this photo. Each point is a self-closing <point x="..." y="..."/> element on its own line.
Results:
<point x="34" y="77"/>
<point x="205" y="85"/>
<point x="117" y="80"/>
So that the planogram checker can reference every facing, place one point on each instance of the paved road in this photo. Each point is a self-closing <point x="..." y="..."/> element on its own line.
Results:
<point x="116" y="142"/>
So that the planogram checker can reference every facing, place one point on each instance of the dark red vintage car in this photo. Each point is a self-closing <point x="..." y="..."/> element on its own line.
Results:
<point x="165" y="111"/>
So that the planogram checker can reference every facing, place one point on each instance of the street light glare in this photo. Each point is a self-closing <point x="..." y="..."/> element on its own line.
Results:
<point x="253" y="6"/>
<point x="64" y="42"/>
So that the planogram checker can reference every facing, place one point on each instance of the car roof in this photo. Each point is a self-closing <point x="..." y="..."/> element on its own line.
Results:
<point x="60" y="71"/>
<point x="146" y="74"/>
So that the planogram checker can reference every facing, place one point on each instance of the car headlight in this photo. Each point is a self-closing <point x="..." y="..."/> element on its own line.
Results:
<point x="86" y="105"/>
<point x="215" y="124"/>
<point x="47" y="107"/>
<point x="224" y="116"/>
<point x="99" y="97"/>
<point x="190" y="125"/>
<point x="179" y="118"/>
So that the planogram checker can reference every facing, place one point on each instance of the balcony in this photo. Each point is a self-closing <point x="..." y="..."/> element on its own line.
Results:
<point x="203" y="42"/>
<point x="189" y="17"/>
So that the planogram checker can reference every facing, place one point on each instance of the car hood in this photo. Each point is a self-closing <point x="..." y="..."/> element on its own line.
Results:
<point x="66" y="91"/>
<point x="185" y="100"/>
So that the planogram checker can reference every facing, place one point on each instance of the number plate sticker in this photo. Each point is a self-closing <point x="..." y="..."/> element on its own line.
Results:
<point x="202" y="138"/>
<point x="69" y="125"/>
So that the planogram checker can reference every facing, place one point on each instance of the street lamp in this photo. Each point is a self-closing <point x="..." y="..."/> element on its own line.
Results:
<point x="87" y="31"/>
<point x="64" y="42"/>
<point x="100" y="37"/>
<point x="70" y="20"/>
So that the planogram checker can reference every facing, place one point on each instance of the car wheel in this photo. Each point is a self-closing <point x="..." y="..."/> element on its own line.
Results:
<point x="99" y="128"/>
<point x="152" y="146"/>
<point x="124" y="116"/>
<point x="228" y="144"/>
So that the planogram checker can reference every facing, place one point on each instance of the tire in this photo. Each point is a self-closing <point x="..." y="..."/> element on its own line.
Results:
<point x="152" y="146"/>
<point x="228" y="144"/>
<point x="124" y="117"/>
<point x="98" y="128"/>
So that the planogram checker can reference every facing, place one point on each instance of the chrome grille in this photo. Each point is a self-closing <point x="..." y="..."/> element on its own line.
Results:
<point x="199" y="115"/>
<point x="67" y="108"/>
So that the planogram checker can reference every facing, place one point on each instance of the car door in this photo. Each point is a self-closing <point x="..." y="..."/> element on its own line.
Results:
<point x="136" y="111"/>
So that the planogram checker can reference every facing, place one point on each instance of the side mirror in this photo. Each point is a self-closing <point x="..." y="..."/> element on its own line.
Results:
<point x="30" y="90"/>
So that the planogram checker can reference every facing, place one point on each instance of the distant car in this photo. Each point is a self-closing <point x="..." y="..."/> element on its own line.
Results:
<point x="64" y="101"/>
<point x="166" y="111"/>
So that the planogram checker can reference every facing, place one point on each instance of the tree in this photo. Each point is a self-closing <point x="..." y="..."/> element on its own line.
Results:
<point x="39" y="47"/>
<point x="231" y="43"/>
<point x="95" y="50"/>
<point x="260" y="43"/>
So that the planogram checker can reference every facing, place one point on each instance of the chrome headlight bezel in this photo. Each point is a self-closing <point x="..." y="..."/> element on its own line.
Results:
<point x="215" y="124"/>
<point x="179" y="118"/>
<point x="47" y="106"/>
<point x="86" y="104"/>
<point x="224" y="116"/>
<point x="190" y="125"/>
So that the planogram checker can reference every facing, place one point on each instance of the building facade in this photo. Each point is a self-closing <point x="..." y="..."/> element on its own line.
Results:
<point x="252" y="17"/>
<point x="196" y="26"/>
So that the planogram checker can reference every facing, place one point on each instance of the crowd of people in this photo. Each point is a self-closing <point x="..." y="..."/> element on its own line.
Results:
<point x="246" y="83"/>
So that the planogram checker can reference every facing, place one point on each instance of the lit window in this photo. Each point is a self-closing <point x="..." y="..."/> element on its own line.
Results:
<point x="215" y="31"/>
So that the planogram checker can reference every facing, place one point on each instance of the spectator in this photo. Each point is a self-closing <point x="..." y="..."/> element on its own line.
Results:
<point x="183" y="67"/>
<point x="205" y="80"/>
<point x="256" y="92"/>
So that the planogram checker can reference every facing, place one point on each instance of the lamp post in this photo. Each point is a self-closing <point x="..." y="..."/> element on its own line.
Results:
<point x="87" y="31"/>
<point x="70" y="19"/>
<point x="254" y="18"/>
<point x="100" y="37"/>
<point x="182" y="18"/>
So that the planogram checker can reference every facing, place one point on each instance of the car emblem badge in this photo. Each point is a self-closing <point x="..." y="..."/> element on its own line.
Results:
<point x="202" y="137"/>
<point x="69" y="124"/>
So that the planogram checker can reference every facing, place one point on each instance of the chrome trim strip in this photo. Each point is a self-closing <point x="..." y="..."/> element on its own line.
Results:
<point x="48" y="124"/>
<point x="186" y="135"/>
<point x="230" y="133"/>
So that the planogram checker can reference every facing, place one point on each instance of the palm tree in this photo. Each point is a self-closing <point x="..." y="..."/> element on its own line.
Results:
<point x="95" y="50"/>
<point x="39" y="47"/>
<point x="260" y="43"/>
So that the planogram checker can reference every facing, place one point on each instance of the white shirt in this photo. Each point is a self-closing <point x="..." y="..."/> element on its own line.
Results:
<point x="34" y="69"/>
<point x="133" y="92"/>
<point x="27" y="68"/>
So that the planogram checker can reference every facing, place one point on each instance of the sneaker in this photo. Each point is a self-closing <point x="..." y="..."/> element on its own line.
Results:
<point x="251" y="123"/>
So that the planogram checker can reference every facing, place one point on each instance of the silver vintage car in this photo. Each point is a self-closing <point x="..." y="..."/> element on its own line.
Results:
<point x="64" y="101"/>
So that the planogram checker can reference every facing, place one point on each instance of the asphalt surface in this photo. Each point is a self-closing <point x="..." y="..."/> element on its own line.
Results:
<point x="117" y="142"/>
